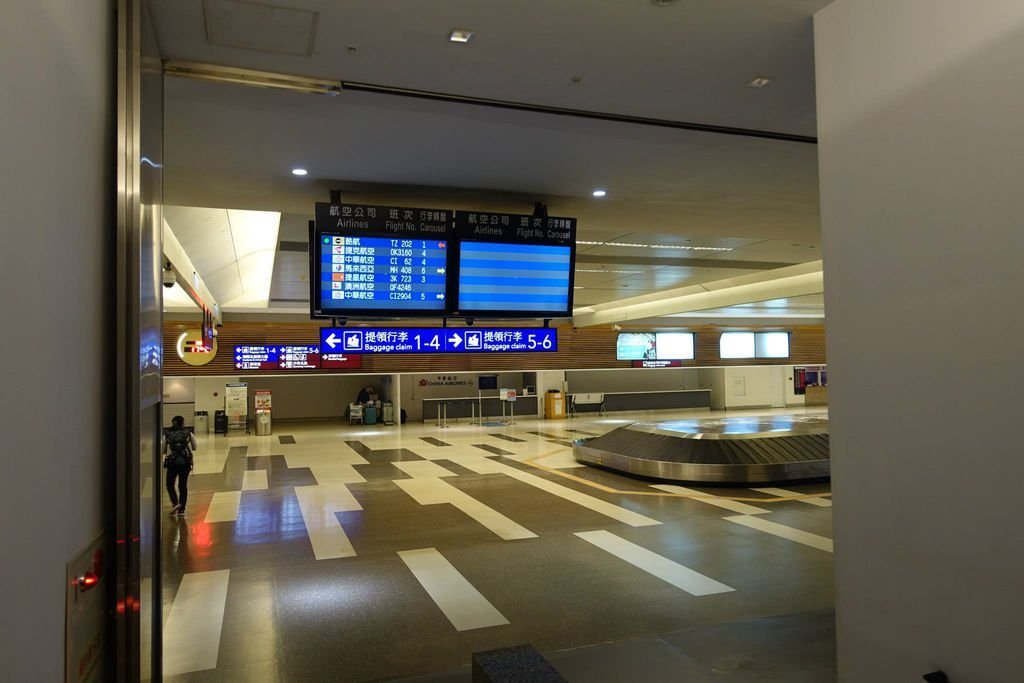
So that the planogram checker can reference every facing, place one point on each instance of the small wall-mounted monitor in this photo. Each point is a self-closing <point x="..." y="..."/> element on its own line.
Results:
<point x="487" y="382"/>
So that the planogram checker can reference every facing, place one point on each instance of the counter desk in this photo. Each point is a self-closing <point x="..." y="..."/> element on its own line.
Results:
<point x="470" y="406"/>
<point x="623" y="401"/>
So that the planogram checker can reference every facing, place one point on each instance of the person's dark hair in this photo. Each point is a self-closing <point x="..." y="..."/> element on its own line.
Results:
<point x="177" y="422"/>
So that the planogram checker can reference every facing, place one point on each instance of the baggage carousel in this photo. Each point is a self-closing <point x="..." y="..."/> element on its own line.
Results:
<point x="728" y="450"/>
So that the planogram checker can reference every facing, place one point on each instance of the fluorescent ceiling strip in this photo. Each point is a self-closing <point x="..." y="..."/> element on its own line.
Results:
<point x="791" y="281"/>
<point x="637" y="245"/>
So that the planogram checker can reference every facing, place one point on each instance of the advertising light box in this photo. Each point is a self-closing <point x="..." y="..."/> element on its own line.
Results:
<point x="363" y="340"/>
<point x="650" y="346"/>
<point x="635" y="346"/>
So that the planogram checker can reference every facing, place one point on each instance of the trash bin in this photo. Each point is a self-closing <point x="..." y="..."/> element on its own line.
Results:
<point x="554" y="405"/>
<point x="202" y="422"/>
<point x="263" y="427"/>
<point x="220" y="422"/>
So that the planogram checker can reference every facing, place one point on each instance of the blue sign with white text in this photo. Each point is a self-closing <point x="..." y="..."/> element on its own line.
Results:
<point x="438" y="340"/>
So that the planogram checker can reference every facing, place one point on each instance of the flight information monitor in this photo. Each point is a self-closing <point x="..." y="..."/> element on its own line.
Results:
<point x="379" y="261"/>
<point x="515" y="266"/>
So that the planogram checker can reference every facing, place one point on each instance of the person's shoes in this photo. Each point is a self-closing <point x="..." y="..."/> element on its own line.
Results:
<point x="174" y="510"/>
<point x="181" y="511"/>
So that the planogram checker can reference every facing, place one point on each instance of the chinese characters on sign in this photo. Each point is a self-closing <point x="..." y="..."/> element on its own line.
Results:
<point x="438" y="340"/>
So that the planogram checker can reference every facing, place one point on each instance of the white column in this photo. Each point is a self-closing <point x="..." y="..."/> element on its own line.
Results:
<point x="921" y="146"/>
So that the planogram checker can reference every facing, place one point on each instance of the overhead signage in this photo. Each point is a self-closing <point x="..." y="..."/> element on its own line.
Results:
<point x="515" y="227"/>
<point x="339" y="360"/>
<point x="437" y="340"/>
<point x="514" y="264"/>
<point x="277" y="357"/>
<point x="369" y="260"/>
<point x="256" y="358"/>
<point x="306" y="357"/>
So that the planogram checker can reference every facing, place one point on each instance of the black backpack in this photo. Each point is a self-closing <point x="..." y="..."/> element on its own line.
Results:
<point x="179" y="445"/>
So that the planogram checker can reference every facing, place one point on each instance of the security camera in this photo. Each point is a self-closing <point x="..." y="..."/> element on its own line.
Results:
<point x="617" y="328"/>
<point x="170" y="277"/>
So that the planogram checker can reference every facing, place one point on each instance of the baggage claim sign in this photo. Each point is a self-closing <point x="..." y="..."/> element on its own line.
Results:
<point x="438" y="340"/>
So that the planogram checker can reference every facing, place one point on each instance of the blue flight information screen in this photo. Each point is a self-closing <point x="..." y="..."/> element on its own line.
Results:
<point x="377" y="273"/>
<point x="514" y="265"/>
<point x="495" y="276"/>
<point x="363" y="340"/>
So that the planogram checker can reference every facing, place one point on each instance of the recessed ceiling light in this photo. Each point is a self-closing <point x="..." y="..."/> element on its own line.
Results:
<point x="299" y="171"/>
<point x="599" y="193"/>
<point x="759" y="82"/>
<point x="460" y="36"/>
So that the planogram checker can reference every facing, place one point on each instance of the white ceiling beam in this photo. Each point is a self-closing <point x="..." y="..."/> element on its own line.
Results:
<point x="188" y="278"/>
<point x="798" y="280"/>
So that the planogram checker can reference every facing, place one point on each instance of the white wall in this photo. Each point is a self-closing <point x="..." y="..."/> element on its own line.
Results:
<point x="713" y="379"/>
<point x="449" y="385"/>
<point x="312" y="396"/>
<point x="56" y="272"/>
<point x="547" y="380"/>
<point x="631" y="379"/>
<point x="749" y="387"/>
<point x="921" y="125"/>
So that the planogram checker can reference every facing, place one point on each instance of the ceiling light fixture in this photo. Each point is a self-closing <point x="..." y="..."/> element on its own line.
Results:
<point x="299" y="171"/>
<point x="759" y="82"/>
<point x="599" y="193"/>
<point x="601" y="270"/>
<point x="636" y="245"/>
<point x="459" y="35"/>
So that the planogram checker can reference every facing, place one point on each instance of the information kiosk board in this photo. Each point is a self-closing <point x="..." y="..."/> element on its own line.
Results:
<point x="379" y="261"/>
<point x="514" y="265"/>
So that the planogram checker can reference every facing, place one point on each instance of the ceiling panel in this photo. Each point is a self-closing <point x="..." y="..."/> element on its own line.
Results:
<point x="690" y="60"/>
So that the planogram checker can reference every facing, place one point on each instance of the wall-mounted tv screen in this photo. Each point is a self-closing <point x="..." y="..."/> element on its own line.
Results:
<point x="379" y="261"/>
<point x="514" y="266"/>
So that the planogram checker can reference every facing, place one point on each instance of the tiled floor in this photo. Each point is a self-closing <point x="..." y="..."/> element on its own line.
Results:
<point x="368" y="553"/>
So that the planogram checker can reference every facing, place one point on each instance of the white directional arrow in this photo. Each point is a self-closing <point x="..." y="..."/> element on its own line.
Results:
<point x="440" y="296"/>
<point x="440" y="271"/>
<point x="455" y="340"/>
<point x="332" y="340"/>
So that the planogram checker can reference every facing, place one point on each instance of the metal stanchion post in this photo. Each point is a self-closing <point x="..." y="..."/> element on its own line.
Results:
<point x="438" y="423"/>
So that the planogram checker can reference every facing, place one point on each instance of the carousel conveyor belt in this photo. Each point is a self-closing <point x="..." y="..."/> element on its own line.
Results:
<point x="741" y="450"/>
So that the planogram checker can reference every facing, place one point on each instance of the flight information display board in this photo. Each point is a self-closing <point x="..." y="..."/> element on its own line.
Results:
<point x="364" y="340"/>
<point x="379" y="261"/>
<point x="513" y="265"/>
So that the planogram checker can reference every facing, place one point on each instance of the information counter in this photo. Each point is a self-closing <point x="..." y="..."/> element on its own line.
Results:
<point x="615" y="402"/>
<point x="469" y="406"/>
